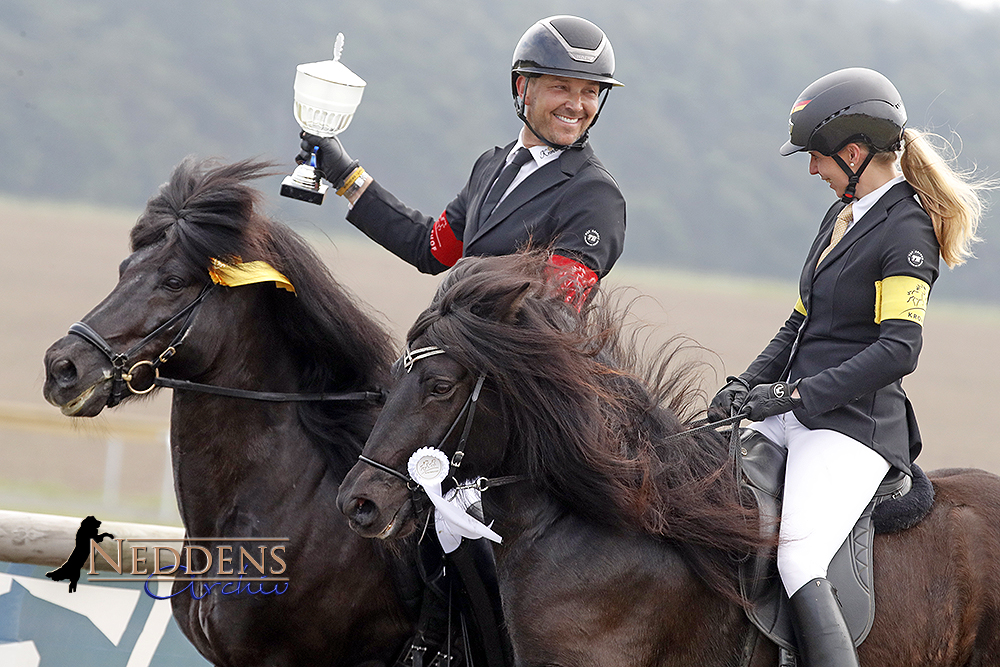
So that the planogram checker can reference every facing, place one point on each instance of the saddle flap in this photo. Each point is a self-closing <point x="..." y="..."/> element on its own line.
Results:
<point x="850" y="572"/>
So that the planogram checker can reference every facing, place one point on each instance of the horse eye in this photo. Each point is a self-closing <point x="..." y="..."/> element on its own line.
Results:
<point x="174" y="283"/>
<point x="441" y="388"/>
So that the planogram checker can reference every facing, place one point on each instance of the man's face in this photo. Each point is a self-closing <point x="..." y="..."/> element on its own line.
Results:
<point x="558" y="108"/>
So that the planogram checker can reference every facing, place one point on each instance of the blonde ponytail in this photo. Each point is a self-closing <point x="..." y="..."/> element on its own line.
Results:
<point x="951" y="198"/>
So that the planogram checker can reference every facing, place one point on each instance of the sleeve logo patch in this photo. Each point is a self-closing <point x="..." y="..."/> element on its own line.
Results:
<point x="915" y="258"/>
<point x="591" y="237"/>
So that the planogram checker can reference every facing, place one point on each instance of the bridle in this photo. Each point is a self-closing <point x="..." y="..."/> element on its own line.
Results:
<point x="468" y="412"/>
<point x="121" y="379"/>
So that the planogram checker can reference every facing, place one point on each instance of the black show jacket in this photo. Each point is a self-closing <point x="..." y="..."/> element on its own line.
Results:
<point x="857" y="329"/>
<point x="571" y="204"/>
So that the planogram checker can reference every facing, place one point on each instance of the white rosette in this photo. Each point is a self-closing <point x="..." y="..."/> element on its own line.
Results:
<point x="428" y="467"/>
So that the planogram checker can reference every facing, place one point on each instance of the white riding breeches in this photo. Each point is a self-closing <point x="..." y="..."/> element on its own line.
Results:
<point x="829" y="480"/>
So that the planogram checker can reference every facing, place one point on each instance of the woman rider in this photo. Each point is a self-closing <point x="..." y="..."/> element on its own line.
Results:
<point x="828" y="386"/>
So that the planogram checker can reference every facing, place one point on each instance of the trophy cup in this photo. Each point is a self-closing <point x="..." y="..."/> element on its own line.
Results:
<point x="326" y="96"/>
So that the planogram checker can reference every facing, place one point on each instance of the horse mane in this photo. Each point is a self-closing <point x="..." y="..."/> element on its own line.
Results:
<point x="207" y="210"/>
<point x="592" y="413"/>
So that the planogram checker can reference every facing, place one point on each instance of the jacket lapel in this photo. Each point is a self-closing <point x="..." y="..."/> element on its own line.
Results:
<point x="553" y="173"/>
<point x="487" y="175"/>
<point x="874" y="217"/>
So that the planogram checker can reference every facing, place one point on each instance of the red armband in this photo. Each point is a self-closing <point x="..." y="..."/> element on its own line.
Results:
<point x="445" y="246"/>
<point x="573" y="279"/>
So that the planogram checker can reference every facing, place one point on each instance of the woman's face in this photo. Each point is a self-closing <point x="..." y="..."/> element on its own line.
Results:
<point x="827" y="168"/>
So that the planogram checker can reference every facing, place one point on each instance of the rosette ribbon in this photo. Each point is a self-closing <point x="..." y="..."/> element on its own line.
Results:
<point x="428" y="467"/>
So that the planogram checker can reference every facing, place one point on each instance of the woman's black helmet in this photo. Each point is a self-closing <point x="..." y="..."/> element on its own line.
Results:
<point x="564" y="46"/>
<point x="849" y="105"/>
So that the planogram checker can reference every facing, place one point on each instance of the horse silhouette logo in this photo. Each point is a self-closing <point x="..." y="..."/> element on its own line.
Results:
<point x="81" y="552"/>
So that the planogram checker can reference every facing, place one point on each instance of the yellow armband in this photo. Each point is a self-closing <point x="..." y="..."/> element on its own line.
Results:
<point x="901" y="298"/>
<point x="800" y="307"/>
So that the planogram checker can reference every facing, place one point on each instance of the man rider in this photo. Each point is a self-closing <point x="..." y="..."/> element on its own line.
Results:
<point x="561" y="197"/>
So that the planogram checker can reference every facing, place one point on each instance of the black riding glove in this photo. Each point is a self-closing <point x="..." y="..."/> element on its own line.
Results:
<point x="766" y="400"/>
<point x="729" y="400"/>
<point x="332" y="161"/>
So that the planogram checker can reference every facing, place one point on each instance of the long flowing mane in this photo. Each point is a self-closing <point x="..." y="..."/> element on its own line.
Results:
<point x="208" y="210"/>
<point x="590" y="414"/>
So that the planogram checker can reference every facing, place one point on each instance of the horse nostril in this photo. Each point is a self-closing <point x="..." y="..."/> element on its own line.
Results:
<point x="363" y="513"/>
<point x="64" y="372"/>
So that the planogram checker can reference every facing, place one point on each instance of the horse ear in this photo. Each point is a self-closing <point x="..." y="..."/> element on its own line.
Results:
<point x="510" y="304"/>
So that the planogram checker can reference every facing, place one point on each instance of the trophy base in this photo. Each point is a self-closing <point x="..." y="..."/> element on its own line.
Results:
<point x="304" y="185"/>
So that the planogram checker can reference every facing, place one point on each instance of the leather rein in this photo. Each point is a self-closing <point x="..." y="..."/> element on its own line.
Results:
<point x="122" y="373"/>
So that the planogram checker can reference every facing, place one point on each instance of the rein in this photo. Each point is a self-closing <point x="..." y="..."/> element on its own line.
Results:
<point x="707" y="426"/>
<point x="121" y="380"/>
<point x="270" y="396"/>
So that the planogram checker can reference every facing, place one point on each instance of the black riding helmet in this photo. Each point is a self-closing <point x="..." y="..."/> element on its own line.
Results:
<point x="564" y="46"/>
<point x="850" y="105"/>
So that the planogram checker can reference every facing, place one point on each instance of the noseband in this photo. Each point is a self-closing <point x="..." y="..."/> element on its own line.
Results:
<point x="121" y="380"/>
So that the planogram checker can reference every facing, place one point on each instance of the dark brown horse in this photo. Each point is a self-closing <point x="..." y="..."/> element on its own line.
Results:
<point x="621" y="547"/>
<point x="245" y="467"/>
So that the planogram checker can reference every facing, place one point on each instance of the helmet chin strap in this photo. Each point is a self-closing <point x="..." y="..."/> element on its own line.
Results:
<point x="852" y="176"/>
<point x="519" y="106"/>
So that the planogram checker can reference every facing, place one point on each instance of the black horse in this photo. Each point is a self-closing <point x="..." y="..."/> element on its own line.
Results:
<point x="619" y="544"/>
<point x="246" y="467"/>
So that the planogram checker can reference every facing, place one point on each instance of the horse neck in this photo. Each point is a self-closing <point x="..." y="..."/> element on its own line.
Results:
<point x="231" y="456"/>
<point x="544" y="542"/>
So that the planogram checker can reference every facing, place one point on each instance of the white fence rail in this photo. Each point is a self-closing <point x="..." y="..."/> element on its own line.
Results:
<point x="47" y="539"/>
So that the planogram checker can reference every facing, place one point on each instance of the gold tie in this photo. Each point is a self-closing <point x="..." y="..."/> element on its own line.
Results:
<point x="844" y="219"/>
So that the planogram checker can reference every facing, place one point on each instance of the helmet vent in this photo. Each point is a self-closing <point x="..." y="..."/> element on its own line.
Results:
<point x="578" y="34"/>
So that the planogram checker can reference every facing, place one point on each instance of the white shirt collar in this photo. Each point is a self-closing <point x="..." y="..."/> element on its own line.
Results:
<point x="542" y="155"/>
<point x="864" y="204"/>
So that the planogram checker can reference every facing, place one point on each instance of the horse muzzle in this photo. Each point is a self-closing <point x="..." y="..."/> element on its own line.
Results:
<point x="77" y="381"/>
<point x="385" y="518"/>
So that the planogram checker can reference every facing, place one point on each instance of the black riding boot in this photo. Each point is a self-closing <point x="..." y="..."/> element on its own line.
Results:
<point x="820" y="629"/>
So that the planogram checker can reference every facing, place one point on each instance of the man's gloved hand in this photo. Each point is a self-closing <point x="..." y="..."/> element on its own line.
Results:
<point x="729" y="400"/>
<point x="766" y="400"/>
<point x="332" y="161"/>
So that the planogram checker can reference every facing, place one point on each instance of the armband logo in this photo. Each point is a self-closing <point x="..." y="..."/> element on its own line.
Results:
<point x="915" y="258"/>
<point x="901" y="298"/>
<point x="591" y="237"/>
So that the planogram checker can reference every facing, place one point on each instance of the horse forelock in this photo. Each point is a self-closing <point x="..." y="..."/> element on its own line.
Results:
<point x="206" y="210"/>
<point x="590" y="413"/>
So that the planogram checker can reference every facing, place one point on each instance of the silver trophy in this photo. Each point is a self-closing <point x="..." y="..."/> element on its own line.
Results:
<point x="326" y="96"/>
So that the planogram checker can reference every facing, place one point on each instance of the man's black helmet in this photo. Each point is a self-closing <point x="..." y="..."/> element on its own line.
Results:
<point x="565" y="46"/>
<point x="849" y="105"/>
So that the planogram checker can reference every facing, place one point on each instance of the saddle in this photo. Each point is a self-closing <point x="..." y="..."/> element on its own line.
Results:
<point x="900" y="503"/>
